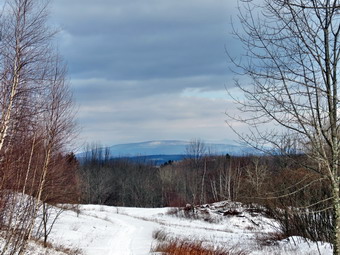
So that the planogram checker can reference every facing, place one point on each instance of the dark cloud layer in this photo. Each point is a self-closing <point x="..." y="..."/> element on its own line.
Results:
<point x="130" y="62"/>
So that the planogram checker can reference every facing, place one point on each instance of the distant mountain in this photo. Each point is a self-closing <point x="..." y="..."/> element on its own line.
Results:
<point x="167" y="148"/>
<point x="160" y="147"/>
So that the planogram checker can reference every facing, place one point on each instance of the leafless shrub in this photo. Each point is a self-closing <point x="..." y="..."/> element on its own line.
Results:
<point x="315" y="226"/>
<point x="194" y="214"/>
<point x="231" y="212"/>
<point x="160" y="235"/>
<point x="183" y="212"/>
<point x="270" y="239"/>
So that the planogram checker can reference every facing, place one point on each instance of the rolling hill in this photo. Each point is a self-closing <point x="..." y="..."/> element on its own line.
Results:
<point x="160" y="151"/>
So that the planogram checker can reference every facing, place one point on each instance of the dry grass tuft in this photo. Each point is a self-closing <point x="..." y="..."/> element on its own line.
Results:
<point x="58" y="248"/>
<point x="168" y="245"/>
<point x="195" y="248"/>
<point x="160" y="236"/>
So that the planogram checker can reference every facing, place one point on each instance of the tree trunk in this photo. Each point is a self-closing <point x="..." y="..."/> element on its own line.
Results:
<point x="336" y="220"/>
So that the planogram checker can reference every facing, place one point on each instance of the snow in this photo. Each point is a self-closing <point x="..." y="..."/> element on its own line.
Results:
<point x="105" y="230"/>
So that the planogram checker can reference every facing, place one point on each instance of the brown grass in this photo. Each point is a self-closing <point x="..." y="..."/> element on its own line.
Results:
<point x="197" y="248"/>
<point x="174" y="246"/>
<point x="58" y="248"/>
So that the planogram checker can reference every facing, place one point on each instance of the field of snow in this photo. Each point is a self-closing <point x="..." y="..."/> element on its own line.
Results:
<point x="105" y="230"/>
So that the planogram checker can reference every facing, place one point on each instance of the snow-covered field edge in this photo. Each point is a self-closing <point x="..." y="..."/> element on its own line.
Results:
<point x="96" y="230"/>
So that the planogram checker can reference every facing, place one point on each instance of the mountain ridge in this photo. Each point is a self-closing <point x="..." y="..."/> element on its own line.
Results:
<point x="172" y="147"/>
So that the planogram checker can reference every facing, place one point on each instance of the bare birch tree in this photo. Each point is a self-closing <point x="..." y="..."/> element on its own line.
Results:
<point x="36" y="117"/>
<point x="25" y="50"/>
<point x="292" y="62"/>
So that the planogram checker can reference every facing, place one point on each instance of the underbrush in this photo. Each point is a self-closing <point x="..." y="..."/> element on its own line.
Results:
<point x="59" y="248"/>
<point x="37" y="246"/>
<point x="168" y="245"/>
<point x="273" y="228"/>
<point x="270" y="239"/>
<point x="190" y="212"/>
<point x="217" y="212"/>
<point x="315" y="226"/>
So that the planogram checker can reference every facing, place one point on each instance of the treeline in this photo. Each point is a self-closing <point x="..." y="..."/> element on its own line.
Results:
<point x="120" y="182"/>
<point x="279" y="180"/>
<point x="298" y="198"/>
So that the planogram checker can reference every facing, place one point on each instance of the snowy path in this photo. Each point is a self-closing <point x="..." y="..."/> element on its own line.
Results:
<point x="134" y="237"/>
<point x="106" y="233"/>
<point x="104" y="230"/>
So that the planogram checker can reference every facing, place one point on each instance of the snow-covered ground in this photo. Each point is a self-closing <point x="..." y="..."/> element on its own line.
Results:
<point x="105" y="230"/>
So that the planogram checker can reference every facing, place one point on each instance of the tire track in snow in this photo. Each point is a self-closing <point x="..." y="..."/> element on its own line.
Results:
<point x="137" y="237"/>
<point x="126" y="235"/>
<point x="121" y="245"/>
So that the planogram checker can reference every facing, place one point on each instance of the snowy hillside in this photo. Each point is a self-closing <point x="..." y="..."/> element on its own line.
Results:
<point x="104" y="230"/>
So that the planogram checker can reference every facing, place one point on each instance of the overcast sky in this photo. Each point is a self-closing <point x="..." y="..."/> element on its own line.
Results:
<point x="148" y="69"/>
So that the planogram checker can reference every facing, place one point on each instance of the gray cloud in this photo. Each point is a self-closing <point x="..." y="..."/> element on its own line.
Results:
<point x="165" y="116"/>
<point x="130" y="61"/>
<point x="144" y="39"/>
<point x="102" y="90"/>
